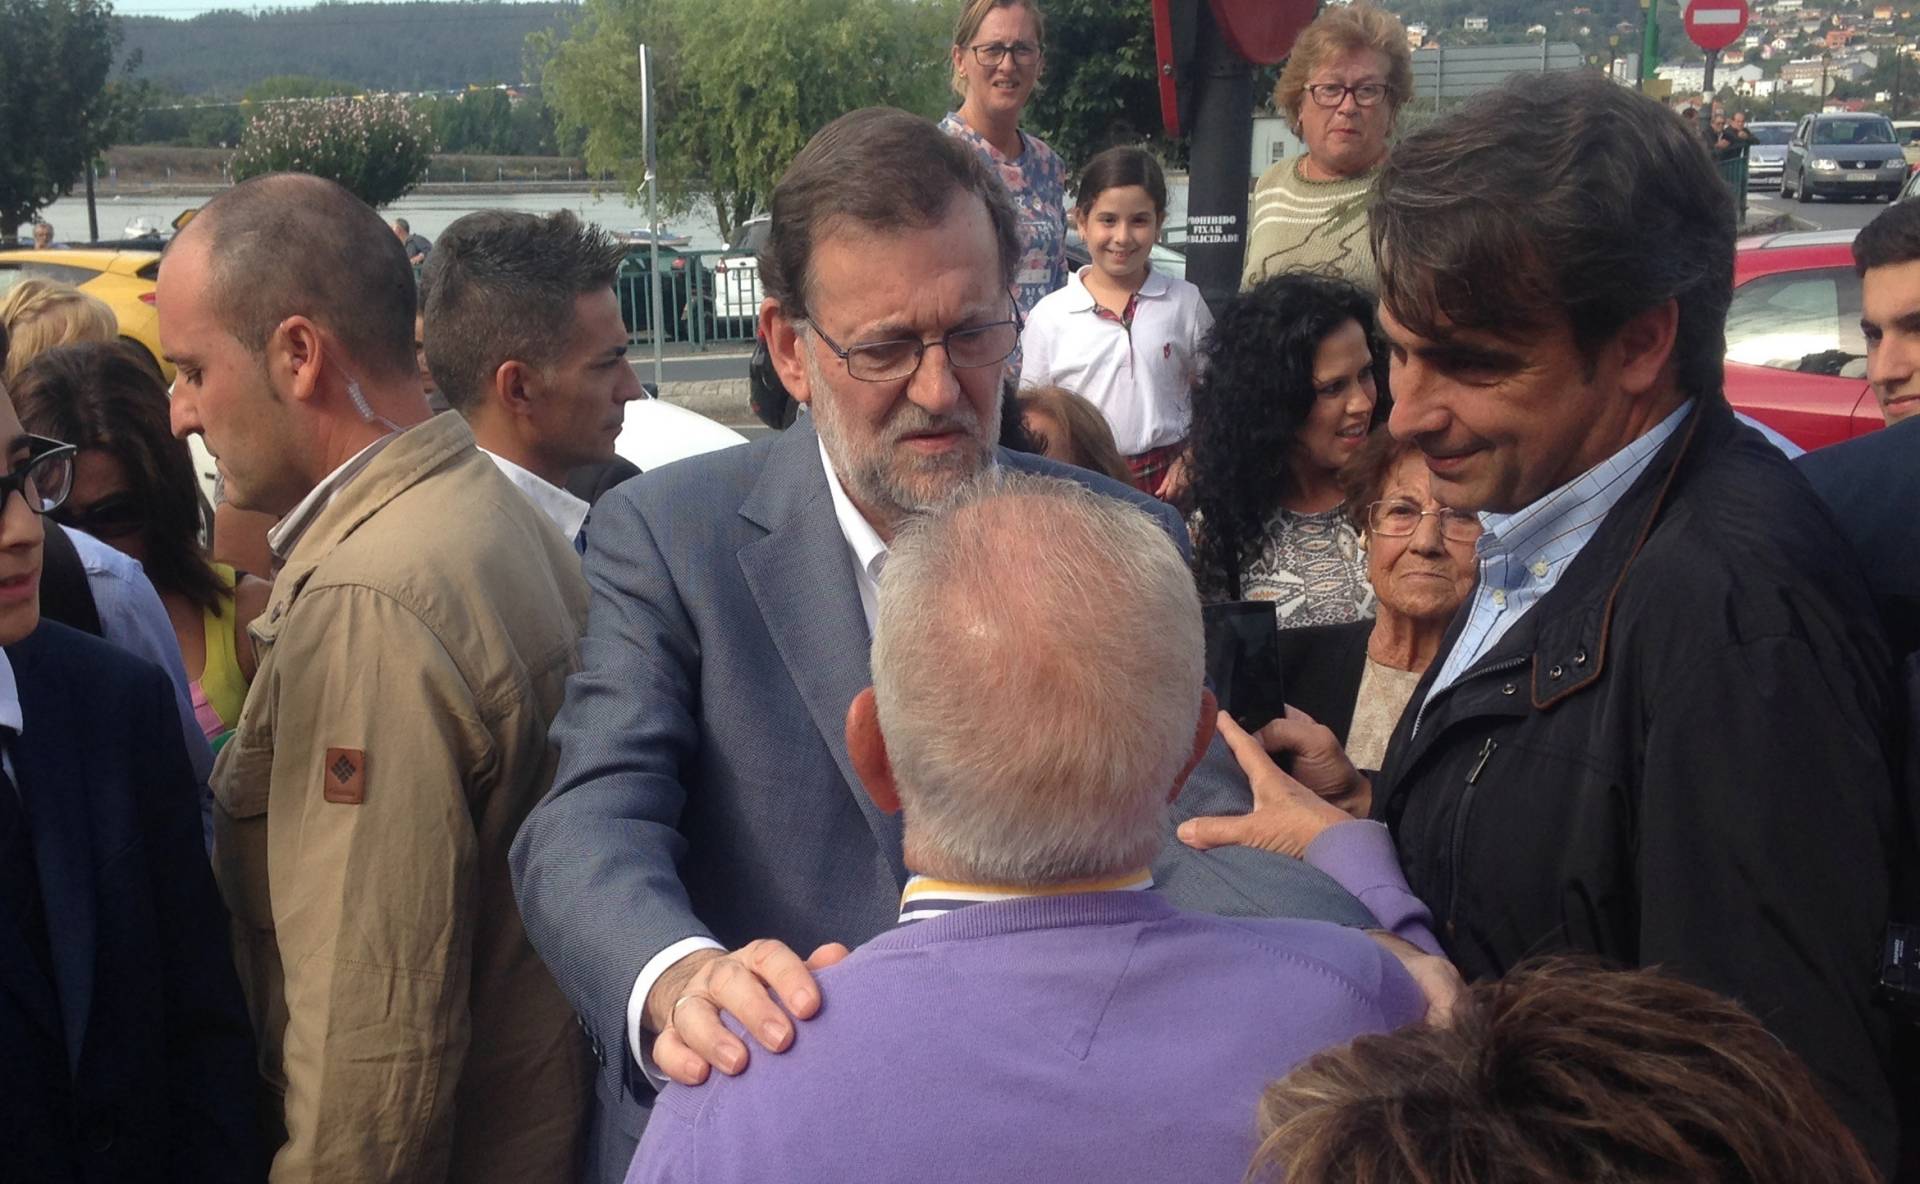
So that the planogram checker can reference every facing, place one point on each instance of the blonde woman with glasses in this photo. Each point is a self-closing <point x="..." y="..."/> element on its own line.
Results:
<point x="998" y="52"/>
<point x="1341" y="92"/>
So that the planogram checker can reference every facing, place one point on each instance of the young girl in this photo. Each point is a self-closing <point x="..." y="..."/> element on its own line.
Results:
<point x="1121" y="335"/>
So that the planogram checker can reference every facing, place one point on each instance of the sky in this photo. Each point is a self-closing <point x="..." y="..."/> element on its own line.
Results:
<point x="185" y="9"/>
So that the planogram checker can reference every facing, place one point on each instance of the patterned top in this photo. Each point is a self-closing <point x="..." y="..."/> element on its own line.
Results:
<point x="1312" y="568"/>
<point x="1299" y="224"/>
<point x="1037" y="182"/>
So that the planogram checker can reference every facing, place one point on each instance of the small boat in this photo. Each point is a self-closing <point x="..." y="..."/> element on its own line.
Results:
<point x="641" y="237"/>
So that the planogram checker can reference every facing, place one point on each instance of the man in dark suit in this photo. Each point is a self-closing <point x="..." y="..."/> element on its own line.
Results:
<point x="705" y="800"/>
<point x="125" y="1045"/>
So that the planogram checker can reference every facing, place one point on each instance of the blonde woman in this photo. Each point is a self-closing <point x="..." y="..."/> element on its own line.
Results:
<point x="998" y="52"/>
<point x="41" y="314"/>
<point x="1341" y="91"/>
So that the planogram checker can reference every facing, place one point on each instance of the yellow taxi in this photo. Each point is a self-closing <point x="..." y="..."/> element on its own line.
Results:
<point x="123" y="279"/>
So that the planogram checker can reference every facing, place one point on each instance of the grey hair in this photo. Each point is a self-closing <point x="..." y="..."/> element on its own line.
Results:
<point x="1038" y="666"/>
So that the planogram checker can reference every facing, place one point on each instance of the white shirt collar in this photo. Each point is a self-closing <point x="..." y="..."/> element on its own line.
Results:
<point x="869" y="549"/>
<point x="285" y="535"/>
<point x="9" y="696"/>
<point x="567" y="511"/>
<point x="1082" y="300"/>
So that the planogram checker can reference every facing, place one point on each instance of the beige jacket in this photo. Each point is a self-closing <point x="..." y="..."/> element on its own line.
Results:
<point x="413" y="653"/>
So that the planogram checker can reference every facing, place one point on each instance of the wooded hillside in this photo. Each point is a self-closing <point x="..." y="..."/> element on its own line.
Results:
<point x="395" y="46"/>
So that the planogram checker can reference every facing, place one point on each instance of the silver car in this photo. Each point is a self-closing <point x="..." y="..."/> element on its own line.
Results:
<point x="1768" y="155"/>
<point x="1843" y="155"/>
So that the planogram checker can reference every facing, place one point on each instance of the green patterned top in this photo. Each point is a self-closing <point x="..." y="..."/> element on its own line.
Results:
<point x="1298" y="224"/>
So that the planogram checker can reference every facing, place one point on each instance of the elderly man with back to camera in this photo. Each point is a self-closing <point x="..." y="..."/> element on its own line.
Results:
<point x="1038" y="699"/>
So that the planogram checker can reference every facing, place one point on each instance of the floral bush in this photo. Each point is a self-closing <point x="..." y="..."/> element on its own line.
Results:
<point x="377" y="146"/>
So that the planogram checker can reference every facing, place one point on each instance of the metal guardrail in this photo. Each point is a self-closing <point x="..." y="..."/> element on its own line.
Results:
<point x="1734" y="172"/>
<point x="709" y="304"/>
<point x="706" y="305"/>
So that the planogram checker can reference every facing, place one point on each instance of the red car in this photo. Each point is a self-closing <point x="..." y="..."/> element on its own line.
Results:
<point x="1795" y="358"/>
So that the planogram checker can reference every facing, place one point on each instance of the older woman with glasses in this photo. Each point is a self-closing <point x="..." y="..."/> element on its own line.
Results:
<point x="1341" y="91"/>
<point x="1357" y="679"/>
<point x="134" y="488"/>
<point x="997" y="56"/>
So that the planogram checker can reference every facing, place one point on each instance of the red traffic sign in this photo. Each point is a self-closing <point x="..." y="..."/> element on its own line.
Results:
<point x="1715" y="24"/>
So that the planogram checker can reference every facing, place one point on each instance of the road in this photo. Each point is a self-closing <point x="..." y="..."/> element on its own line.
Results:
<point x="689" y="367"/>
<point x="1823" y="213"/>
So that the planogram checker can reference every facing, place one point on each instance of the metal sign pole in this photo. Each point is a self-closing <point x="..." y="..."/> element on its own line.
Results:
<point x="656" y="317"/>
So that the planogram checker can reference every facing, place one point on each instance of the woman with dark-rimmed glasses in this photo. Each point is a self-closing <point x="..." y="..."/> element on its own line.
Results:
<point x="134" y="488"/>
<point x="998" y="51"/>
<point x="1341" y="92"/>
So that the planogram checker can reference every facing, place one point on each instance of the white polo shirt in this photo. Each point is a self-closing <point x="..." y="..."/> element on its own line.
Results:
<point x="1138" y="377"/>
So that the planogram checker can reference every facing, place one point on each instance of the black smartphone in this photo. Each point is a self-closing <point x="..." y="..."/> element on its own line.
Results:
<point x="1243" y="661"/>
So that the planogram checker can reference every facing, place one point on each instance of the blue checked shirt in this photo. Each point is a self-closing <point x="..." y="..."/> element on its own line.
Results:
<point x="1523" y="554"/>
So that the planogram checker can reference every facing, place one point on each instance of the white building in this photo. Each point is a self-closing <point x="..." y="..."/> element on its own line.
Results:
<point x="1474" y="24"/>
<point x="1273" y="142"/>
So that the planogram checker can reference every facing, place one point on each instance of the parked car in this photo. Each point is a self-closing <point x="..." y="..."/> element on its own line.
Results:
<point x="1843" y="155"/>
<point x="123" y="279"/>
<point x="1768" y="154"/>
<point x="736" y="280"/>
<point x="655" y="432"/>
<point x="1906" y="133"/>
<point x="1796" y="360"/>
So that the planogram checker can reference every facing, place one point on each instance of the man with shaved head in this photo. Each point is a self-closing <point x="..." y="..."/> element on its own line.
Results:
<point x="395" y="733"/>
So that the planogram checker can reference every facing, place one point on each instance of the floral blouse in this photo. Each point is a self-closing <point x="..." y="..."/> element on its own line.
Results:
<point x="1037" y="182"/>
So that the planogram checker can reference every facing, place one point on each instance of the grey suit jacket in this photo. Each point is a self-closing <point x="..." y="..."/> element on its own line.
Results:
<point x="704" y="785"/>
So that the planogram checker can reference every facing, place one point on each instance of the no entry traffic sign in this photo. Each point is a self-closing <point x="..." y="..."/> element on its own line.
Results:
<point x="1715" y="24"/>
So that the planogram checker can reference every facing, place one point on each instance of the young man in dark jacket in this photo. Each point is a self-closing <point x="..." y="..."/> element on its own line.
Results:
<point x="1659" y="729"/>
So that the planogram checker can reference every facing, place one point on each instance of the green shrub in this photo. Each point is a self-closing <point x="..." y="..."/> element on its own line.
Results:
<point x="378" y="146"/>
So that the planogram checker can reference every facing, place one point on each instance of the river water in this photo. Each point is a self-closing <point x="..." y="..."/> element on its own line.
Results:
<point x="429" y="214"/>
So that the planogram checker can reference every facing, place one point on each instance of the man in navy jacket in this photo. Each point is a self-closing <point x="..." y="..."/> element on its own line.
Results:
<point x="126" y="1049"/>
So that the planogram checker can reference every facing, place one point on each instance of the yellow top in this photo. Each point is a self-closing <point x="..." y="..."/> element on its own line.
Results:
<point x="220" y="679"/>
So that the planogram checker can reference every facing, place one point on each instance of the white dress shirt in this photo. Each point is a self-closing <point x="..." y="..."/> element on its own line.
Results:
<point x="567" y="511"/>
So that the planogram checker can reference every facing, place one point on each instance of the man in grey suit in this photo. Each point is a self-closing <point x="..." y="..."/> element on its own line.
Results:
<point x="705" y="801"/>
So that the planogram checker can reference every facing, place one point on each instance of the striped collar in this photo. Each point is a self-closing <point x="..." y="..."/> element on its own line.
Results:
<point x="926" y="897"/>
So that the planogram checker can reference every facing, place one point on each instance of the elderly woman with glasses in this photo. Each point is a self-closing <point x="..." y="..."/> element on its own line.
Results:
<point x="134" y="488"/>
<point x="1357" y="679"/>
<point x="997" y="55"/>
<point x="1341" y="91"/>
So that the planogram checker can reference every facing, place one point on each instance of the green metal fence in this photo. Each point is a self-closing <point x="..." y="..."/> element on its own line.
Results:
<point x="710" y="300"/>
<point x="1734" y="172"/>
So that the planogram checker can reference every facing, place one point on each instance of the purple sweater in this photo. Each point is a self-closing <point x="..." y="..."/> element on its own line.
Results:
<point x="1099" y="1037"/>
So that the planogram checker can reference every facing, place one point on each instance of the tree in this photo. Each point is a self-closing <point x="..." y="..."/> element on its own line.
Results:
<point x="60" y="101"/>
<point x="377" y="147"/>
<point x="1101" y="83"/>
<point x="740" y="86"/>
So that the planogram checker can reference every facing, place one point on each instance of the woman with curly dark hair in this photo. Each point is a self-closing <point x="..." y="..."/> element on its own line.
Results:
<point x="1294" y="377"/>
